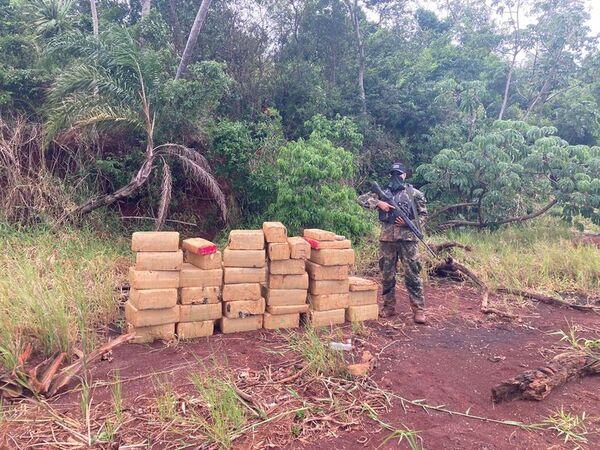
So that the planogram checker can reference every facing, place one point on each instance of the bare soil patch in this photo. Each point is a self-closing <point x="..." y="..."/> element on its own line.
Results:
<point x="453" y="361"/>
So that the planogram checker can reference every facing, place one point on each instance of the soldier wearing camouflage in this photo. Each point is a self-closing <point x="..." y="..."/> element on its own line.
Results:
<point x="397" y="242"/>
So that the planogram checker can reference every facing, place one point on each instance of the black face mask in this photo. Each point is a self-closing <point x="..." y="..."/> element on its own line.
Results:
<point x="396" y="183"/>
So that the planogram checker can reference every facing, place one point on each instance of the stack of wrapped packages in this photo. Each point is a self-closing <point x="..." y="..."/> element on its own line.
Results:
<point x="244" y="272"/>
<point x="200" y="284"/>
<point x="287" y="285"/>
<point x="362" y="303"/>
<point x="328" y="272"/>
<point x="152" y="311"/>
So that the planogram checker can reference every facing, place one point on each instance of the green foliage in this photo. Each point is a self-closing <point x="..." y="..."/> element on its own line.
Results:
<point x="341" y="131"/>
<point x="513" y="168"/>
<point x="313" y="190"/>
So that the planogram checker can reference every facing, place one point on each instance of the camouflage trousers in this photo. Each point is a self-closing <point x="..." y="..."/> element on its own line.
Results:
<point x="407" y="252"/>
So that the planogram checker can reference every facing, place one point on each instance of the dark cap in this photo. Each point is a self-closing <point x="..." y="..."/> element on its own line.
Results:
<point x="398" y="167"/>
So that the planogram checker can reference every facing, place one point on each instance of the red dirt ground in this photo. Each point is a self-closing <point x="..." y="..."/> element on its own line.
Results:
<point x="453" y="361"/>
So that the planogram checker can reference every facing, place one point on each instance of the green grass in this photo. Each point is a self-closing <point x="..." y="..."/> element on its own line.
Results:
<point x="571" y="427"/>
<point x="55" y="284"/>
<point x="317" y="354"/>
<point x="225" y="411"/>
<point x="537" y="256"/>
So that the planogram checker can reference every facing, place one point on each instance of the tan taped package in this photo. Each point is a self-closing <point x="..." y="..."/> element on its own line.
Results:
<point x="150" y="317"/>
<point x="323" y="245"/>
<point x="362" y="284"/>
<point x="249" y="323"/>
<point x="199" y="246"/>
<point x="320" y="235"/>
<point x="155" y="241"/>
<point x="246" y="240"/>
<point x="319" y="272"/>
<point x="200" y="295"/>
<point x="326" y="318"/>
<point x="275" y="322"/>
<point x="327" y="302"/>
<point x="299" y="248"/>
<point x="192" y="276"/>
<point x="153" y="279"/>
<point x="145" y="335"/>
<point x="191" y="330"/>
<point x="206" y="262"/>
<point x="234" y="310"/>
<point x="235" y="275"/>
<point x="275" y="232"/>
<point x="278" y="251"/>
<point x="198" y="313"/>
<point x="242" y="291"/>
<point x="360" y="313"/>
<point x="283" y="297"/>
<point x="361" y="298"/>
<point x="288" y="309"/>
<point x="153" y="298"/>
<point x="159" y="260"/>
<point x="287" y="267"/>
<point x="288" y="281"/>
<point x="332" y="257"/>
<point x="320" y="287"/>
<point x="243" y="258"/>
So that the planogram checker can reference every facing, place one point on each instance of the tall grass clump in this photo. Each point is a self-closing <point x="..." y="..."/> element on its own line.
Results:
<point x="317" y="354"/>
<point x="224" y="412"/>
<point x="537" y="256"/>
<point x="56" y="288"/>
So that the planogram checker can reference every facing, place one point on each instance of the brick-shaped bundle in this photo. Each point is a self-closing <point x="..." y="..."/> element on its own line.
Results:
<point x="328" y="272"/>
<point x="200" y="284"/>
<point x="244" y="272"/>
<point x="362" y="303"/>
<point x="152" y="311"/>
<point x="287" y="284"/>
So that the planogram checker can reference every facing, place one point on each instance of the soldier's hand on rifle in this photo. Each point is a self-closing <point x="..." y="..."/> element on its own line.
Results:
<point x="384" y="206"/>
<point x="399" y="221"/>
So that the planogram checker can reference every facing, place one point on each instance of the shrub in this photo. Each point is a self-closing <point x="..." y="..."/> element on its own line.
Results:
<point x="313" y="188"/>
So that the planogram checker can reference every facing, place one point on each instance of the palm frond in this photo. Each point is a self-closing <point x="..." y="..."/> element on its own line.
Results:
<point x="165" y="197"/>
<point x="183" y="151"/>
<point x="205" y="178"/>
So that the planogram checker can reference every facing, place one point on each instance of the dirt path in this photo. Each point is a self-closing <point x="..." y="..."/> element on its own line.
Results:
<point x="454" y="361"/>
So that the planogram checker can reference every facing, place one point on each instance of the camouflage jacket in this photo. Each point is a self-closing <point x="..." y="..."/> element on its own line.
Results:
<point x="392" y="232"/>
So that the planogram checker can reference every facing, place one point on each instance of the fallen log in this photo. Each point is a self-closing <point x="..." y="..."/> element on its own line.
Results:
<point x="548" y="300"/>
<point x="537" y="384"/>
<point x="453" y="267"/>
<point x="443" y="246"/>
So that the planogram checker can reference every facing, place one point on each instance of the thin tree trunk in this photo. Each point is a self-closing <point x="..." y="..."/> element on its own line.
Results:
<point x="507" y="87"/>
<point x="94" y="17"/>
<point x="192" y="38"/>
<point x="177" y="38"/>
<point x="361" y="56"/>
<point x="145" y="8"/>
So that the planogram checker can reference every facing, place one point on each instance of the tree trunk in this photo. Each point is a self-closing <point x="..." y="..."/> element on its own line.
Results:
<point x="538" y="384"/>
<point x="176" y="26"/>
<point x="145" y="8"/>
<point x="507" y="86"/>
<point x="192" y="38"/>
<point x="136" y="182"/>
<point x="361" y="56"/>
<point x="94" y="17"/>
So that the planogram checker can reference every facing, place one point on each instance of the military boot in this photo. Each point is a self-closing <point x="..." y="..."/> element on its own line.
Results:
<point x="419" y="316"/>
<point x="387" y="311"/>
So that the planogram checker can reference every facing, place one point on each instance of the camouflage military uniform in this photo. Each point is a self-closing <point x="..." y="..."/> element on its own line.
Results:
<point x="398" y="242"/>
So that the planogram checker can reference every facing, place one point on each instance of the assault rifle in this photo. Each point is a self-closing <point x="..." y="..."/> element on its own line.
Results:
<point x="401" y="212"/>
